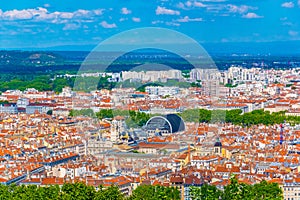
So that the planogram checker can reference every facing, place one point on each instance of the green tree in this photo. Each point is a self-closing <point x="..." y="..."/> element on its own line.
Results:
<point x="5" y="192"/>
<point x="218" y="116"/>
<point x="58" y="84"/>
<point x="191" y="115"/>
<point x="50" y="192"/>
<point x="150" y="192"/>
<point x="260" y="191"/>
<point x="105" y="113"/>
<point x="78" y="191"/>
<point x="236" y="191"/>
<point x="205" y="192"/>
<point x="110" y="193"/>
<point x="83" y="112"/>
<point x="267" y="191"/>
<point x="204" y="115"/>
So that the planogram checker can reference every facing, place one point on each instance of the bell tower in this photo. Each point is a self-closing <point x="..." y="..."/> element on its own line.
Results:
<point x="218" y="147"/>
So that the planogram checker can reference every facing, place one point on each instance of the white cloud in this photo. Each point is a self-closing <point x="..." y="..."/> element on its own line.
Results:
<point x="239" y="9"/>
<point x="104" y="24"/>
<point x="98" y="11"/>
<point x="65" y="15"/>
<point x="17" y="14"/>
<point x="287" y="24"/>
<point x="181" y="5"/>
<point x="288" y="5"/>
<point x="172" y="24"/>
<point x="47" y="5"/>
<point x="157" y="22"/>
<point x="125" y="11"/>
<point x="251" y="16"/>
<point x="199" y="4"/>
<point x="298" y="2"/>
<point x="283" y="19"/>
<point x="42" y="14"/>
<point x="165" y="11"/>
<point x="136" y="19"/>
<point x="81" y="13"/>
<point x="71" y="26"/>
<point x="123" y="19"/>
<point x="188" y="19"/>
<point x="189" y="4"/>
<point x="293" y="33"/>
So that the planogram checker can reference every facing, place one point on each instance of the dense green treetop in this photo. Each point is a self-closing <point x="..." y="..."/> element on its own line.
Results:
<point x="80" y="191"/>
<point x="149" y="192"/>
<point x="238" y="191"/>
<point x="236" y="117"/>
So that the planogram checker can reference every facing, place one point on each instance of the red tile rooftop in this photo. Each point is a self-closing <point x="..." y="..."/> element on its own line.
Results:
<point x="158" y="146"/>
<point x="32" y="180"/>
<point x="52" y="181"/>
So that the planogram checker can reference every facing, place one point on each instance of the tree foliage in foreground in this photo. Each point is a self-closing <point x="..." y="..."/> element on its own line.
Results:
<point x="238" y="191"/>
<point x="80" y="191"/>
<point x="205" y="192"/>
<point x="149" y="192"/>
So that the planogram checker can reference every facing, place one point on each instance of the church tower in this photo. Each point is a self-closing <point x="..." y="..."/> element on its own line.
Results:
<point x="218" y="147"/>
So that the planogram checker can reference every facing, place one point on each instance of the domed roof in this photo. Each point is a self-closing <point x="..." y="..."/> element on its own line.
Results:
<point x="172" y="122"/>
<point x="176" y="122"/>
<point x="218" y="143"/>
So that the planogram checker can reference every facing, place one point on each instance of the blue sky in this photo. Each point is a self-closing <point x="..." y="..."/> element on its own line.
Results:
<point x="36" y="23"/>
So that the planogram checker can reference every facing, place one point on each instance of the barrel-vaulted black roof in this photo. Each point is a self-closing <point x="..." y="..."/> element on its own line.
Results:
<point x="172" y="122"/>
<point x="176" y="122"/>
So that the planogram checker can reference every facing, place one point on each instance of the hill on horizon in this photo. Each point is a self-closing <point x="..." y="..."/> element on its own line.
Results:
<point x="286" y="48"/>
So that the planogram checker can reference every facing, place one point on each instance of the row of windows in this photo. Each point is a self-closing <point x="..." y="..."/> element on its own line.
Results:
<point x="292" y="194"/>
<point x="293" y="198"/>
<point x="291" y="189"/>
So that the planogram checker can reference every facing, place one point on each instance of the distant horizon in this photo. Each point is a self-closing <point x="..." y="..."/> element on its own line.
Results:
<point x="289" y="48"/>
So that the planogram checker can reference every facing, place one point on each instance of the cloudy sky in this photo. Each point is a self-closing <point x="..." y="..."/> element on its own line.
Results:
<point x="28" y="23"/>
